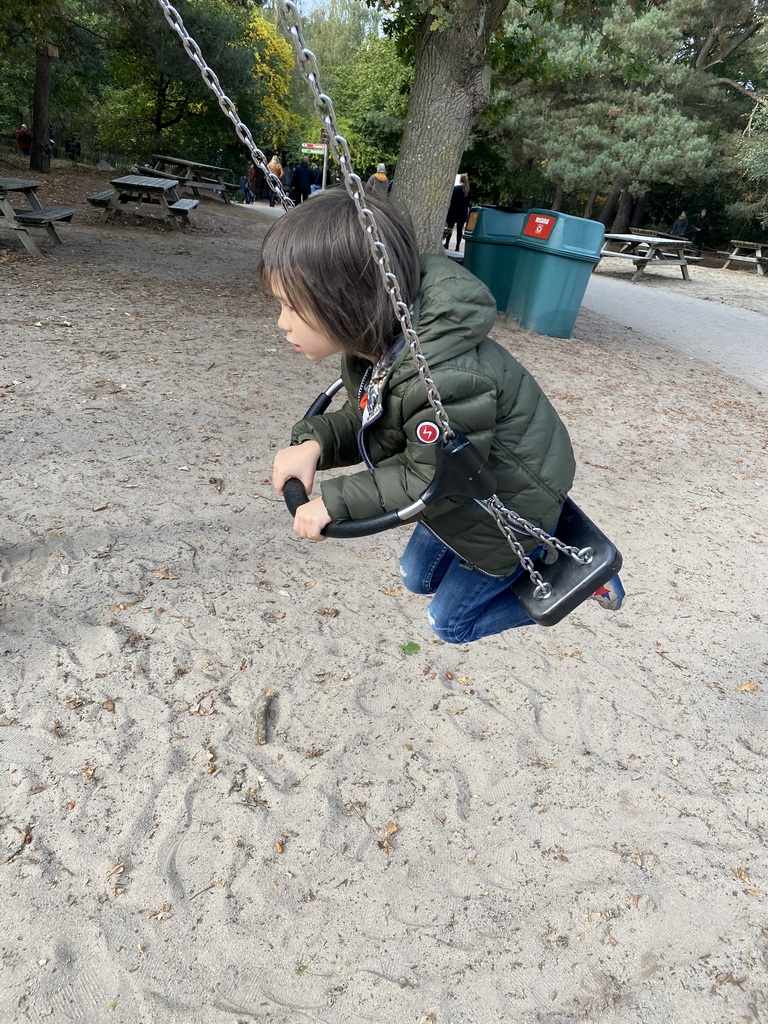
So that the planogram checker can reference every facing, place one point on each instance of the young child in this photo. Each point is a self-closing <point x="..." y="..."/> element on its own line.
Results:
<point x="317" y="262"/>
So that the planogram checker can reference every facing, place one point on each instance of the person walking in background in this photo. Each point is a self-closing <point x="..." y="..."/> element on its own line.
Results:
<point x="251" y="181"/>
<point x="680" y="227"/>
<point x="458" y="210"/>
<point x="302" y="181"/>
<point x="378" y="183"/>
<point x="700" y="227"/>
<point x="72" y="148"/>
<point x="276" y="168"/>
<point x="24" y="140"/>
<point x="245" y="188"/>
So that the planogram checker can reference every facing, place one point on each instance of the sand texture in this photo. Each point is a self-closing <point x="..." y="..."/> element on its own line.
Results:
<point x="545" y="827"/>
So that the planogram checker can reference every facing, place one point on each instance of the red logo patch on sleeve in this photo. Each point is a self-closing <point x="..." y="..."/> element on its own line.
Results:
<point x="427" y="433"/>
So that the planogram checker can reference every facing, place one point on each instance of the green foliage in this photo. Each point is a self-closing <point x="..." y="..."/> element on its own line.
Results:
<point x="159" y="100"/>
<point x="366" y="77"/>
<point x="591" y="95"/>
<point x="371" y="93"/>
<point x="123" y="81"/>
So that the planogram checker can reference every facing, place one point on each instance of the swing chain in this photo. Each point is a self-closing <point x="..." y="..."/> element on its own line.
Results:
<point x="210" y="78"/>
<point x="507" y="520"/>
<point x="291" y="20"/>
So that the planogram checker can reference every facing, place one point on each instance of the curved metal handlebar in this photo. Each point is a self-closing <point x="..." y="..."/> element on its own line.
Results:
<point x="295" y="495"/>
<point x="460" y="472"/>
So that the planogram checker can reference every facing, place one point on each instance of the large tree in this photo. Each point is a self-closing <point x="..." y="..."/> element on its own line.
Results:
<point x="449" y="41"/>
<point x="158" y="96"/>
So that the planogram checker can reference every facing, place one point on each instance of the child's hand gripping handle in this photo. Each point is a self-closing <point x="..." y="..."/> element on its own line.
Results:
<point x="295" y="495"/>
<point x="460" y="471"/>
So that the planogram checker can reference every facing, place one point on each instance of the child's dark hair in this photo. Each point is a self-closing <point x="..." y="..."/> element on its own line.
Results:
<point x="319" y="257"/>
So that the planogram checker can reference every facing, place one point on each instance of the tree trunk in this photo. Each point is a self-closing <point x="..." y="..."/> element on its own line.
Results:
<point x="589" y="206"/>
<point x="40" y="150"/>
<point x="451" y="87"/>
<point x="609" y="206"/>
<point x="638" y="210"/>
<point x="557" y="201"/>
<point x="620" y="224"/>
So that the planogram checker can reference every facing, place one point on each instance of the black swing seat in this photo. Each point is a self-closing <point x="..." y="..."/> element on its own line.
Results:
<point x="571" y="583"/>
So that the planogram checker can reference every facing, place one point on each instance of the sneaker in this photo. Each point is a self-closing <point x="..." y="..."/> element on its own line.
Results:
<point x="611" y="595"/>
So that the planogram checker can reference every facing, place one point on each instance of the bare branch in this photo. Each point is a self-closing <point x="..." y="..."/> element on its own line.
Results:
<point x="742" y="89"/>
<point x="721" y="58"/>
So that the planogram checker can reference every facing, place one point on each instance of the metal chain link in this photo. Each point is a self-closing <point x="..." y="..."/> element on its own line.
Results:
<point x="210" y="78"/>
<point x="508" y="521"/>
<point x="291" y="19"/>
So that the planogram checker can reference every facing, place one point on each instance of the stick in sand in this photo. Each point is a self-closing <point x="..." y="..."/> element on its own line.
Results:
<point x="262" y="711"/>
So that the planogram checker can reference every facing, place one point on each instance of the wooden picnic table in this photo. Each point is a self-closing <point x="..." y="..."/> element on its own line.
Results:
<point x="145" y="196"/>
<point x="644" y="249"/>
<point x="755" y="253"/>
<point x="36" y="216"/>
<point x="193" y="175"/>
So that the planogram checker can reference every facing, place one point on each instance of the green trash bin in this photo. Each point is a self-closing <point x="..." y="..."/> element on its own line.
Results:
<point x="489" y="251"/>
<point x="556" y="254"/>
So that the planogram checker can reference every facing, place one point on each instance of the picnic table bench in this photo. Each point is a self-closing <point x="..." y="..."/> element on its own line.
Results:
<point x="145" y="196"/>
<point x="193" y="175"/>
<point x="754" y="255"/>
<point x="644" y="249"/>
<point x="36" y="216"/>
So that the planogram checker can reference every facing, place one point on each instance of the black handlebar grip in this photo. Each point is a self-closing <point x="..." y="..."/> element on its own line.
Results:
<point x="295" y="496"/>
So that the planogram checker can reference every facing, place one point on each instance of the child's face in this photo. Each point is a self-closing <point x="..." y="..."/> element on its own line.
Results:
<point x="310" y="341"/>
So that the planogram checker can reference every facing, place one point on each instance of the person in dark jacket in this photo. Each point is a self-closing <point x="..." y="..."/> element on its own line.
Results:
<point x="458" y="211"/>
<point x="317" y="262"/>
<point x="680" y="227"/>
<point x="378" y="183"/>
<point x="302" y="181"/>
<point x="699" y="228"/>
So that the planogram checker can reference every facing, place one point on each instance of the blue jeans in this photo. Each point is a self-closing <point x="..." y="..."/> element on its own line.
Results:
<point x="467" y="603"/>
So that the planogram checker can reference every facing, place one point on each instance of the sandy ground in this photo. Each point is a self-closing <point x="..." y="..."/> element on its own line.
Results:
<point x="545" y="827"/>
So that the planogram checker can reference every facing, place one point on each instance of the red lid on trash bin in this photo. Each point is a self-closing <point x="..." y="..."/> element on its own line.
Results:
<point x="538" y="225"/>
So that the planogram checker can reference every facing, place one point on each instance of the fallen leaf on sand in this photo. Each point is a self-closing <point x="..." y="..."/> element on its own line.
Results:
<point x="389" y="829"/>
<point x="165" y="574"/>
<point x="116" y="870"/>
<point x="749" y="687"/>
<point x="161" y="914"/>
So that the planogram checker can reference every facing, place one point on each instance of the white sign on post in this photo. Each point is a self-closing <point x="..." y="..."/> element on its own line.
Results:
<point x="315" y="149"/>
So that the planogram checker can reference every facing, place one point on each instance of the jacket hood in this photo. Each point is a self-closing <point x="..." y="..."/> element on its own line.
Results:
<point x="455" y="311"/>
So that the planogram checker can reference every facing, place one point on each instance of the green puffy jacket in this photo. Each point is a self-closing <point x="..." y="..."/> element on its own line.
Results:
<point x="487" y="395"/>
